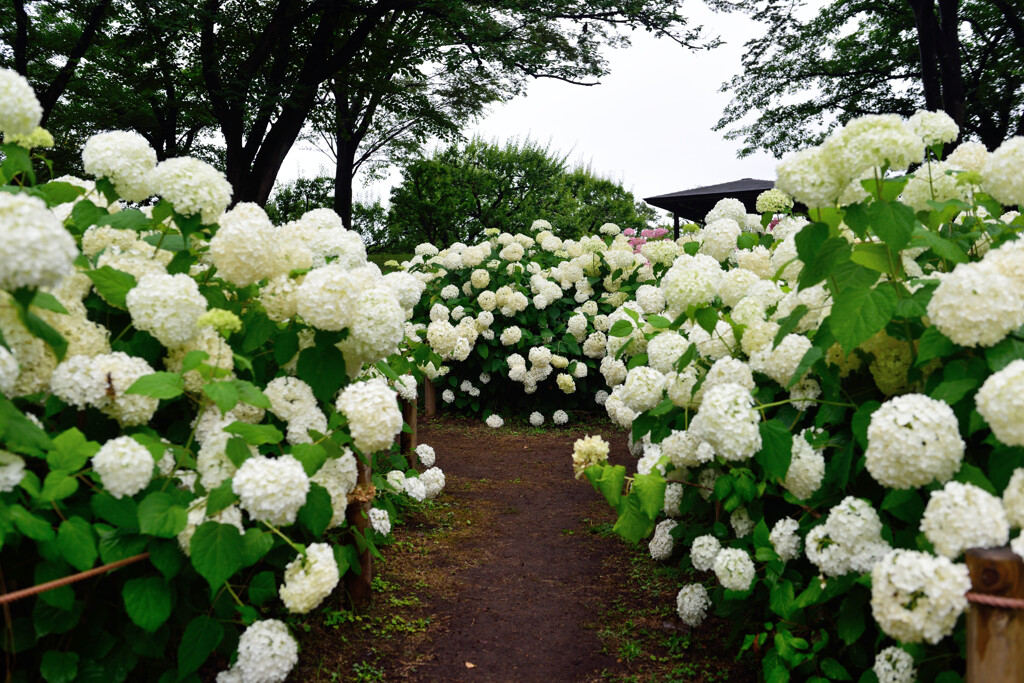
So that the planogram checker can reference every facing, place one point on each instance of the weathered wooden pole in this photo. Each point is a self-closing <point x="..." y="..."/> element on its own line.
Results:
<point x="995" y="629"/>
<point x="357" y="586"/>
<point x="429" y="399"/>
<point x="407" y="440"/>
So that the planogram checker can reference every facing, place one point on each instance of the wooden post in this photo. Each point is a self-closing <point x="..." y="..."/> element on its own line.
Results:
<point x="407" y="441"/>
<point x="429" y="399"/>
<point x="359" y="504"/>
<point x="995" y="635"/>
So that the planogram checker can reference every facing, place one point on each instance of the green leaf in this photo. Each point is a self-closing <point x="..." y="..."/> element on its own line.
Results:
<point x="263" y="586"/>
<point x="255" y="434"/>
<point x="19" y="433"/>
<point x="834" y="251"/>
<point x="202" y="636"/>
<point x="810" y="357"/>
<point x="323" y="368"/>
<point x="71" y="451"/>
<point x="36" y="528"/>
<point x="217" y="552"/>
<point x="934" y="344"/>
<point x="633" y="524"/>
<point x="317" y="512"/>
<point x="192" y="360"/>
<point x="166" y="556"/>
<point x="58" y="485"/>
<point x="251" y="394"/>
<point x="893" y="223"/>
<point x="58" y="667"/>
<point x="224" y="394"/>
<point x="121" y="512"/>
<point x="158" y="385"/>
<point x="858" y="313"/>
<point x="1005" y="352"/>
<point x="903" y="504"/>
<point x="621" y="328"/>
<point x="776" y="449"/>
<point x="147" y="601"/>
<point x="77" y="543"/>
<point x="650" y="489"/>
<point x="48" y="302"/>
<point x="809" y="240"/>
<point x="952" y="391"/>
<point x="220" y="498"/>
<point x="971" y="474"/>
<point x="113" y="285"/>
<point x="255" y="545"/>
<point x="707" y="318"/>
<point x="312" y="457"/>
<point x="237" y="451"/>
<point x="43" y="330"/>
<point x="874" y="255"/>
<point x="746" y="240"/>
<point x="85" y="214"/>
<point x="851" y="623"/>
<point x="942" y="247"/>
<point x="835" y="670"/>
<point x="55" y="193"/>
<point x="658" y="322"/>
<point x="789" y="323"/>
<point x="127" y="219"/>
<point x="160" y="516"/>
<point x="609" y="480"/>
<point x="119" y="544"/>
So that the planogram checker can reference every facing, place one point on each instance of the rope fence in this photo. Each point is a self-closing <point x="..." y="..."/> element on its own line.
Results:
<point x="81" y="576"/>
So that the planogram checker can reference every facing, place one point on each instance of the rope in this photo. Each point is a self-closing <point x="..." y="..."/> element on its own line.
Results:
<point x="995" y="600"/>
<point x="81" y="576"/>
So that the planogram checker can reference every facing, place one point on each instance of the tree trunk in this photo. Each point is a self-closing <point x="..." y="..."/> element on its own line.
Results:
<point x="927" y="41"/>
<point x="345" y="154"/>
<point x="950" y="62"/>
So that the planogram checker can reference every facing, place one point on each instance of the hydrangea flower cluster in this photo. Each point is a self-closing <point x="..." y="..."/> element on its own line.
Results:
<point x="309" y="578"/>
<point x="918" y="597"/>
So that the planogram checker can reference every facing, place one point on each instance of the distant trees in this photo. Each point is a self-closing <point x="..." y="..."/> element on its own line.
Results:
<point x="461" y="190"/>
<point x="800" y="77"/>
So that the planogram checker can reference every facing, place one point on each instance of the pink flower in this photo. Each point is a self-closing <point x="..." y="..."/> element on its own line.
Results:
<point x="629" y="232"/>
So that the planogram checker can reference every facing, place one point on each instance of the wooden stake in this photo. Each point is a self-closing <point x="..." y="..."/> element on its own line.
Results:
<point x="429" y="399"/>
<point x="995" y="635"/>
<point x="358" y="586"/>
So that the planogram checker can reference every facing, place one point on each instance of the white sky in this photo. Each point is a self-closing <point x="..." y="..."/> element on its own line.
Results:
<point x="647" y="125"/>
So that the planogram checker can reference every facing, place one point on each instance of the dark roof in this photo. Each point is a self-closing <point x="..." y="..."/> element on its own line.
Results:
<point x="695" y="204"/>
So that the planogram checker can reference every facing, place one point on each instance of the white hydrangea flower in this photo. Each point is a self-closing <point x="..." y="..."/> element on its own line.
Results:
<point x="673" y="499"/>
<point x="1001" y="402"/>
<point x="741" y="522"/>
<point x="339" y="476"/>
<point x="560" y="417"/>
<point x="806" y="469"/>
<point x="9" y="370"/>
<point x="590" y="450"/>
<point x="727" y="420"/>
<point x="934" y="127"/>
<point x="242" y="248"/>
<point x="728" y="370"/>
<point x="849" y="540"/>
<point x="810" y="177"/>
<point x="1013" y="499"/>
<point x="643" y="388"/>
<point x="962" y="516"/>
<point x="373" y="414"/>
<point x="1002" y="176"/>
<point x="976" y="305"/>
<point x="266" y="654"/>
<point x="773" y="201"/>
<point x="703" y="552"/>
<point x="785" y="539"/>
<point x="309" y="578"/>
<point x="415" y="487"/>
<point x="918" y="597"/>
<point x="692" y="280"/>
<point x="125" y="158"/>
<point x="35" y="249"/>
<point x="328" y="296"/>
<point x="192" y="187"/>
<point x="271" y="489"/>
<point x="12" y="470"/>
<point x="20" y="111"/>
<point x="894" y="665"/>
<point x="968" y="156"/>
<point x="167" y="306"/>
<point x="718" y="238"/>
<point x="433" y="481"/>
<point x="125" y="466"/>
<point x="447" y="395"/>
<point x="494" y="421"/>
<point x="692" y="604"/>
<point x="661" y="543"/>
<point x="380" y="520"/>
<point x="912" y="441"/>
<point x="734" y="569"/>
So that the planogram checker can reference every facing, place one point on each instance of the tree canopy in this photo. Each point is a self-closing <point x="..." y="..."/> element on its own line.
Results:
<point x="463" y="189"/>
<point x="801" y="77"/>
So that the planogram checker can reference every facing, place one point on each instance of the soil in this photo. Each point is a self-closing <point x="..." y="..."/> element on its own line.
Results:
<point x="513" y="574"/>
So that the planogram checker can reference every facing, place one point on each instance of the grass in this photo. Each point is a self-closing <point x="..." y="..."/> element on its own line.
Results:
<point x="382" y="258"/>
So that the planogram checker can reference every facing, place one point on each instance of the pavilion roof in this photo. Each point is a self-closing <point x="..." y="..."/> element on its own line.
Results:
<point x="694" y="204"/>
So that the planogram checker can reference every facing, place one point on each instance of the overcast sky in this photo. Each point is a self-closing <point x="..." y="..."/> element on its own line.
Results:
<point x="647" y="125"/>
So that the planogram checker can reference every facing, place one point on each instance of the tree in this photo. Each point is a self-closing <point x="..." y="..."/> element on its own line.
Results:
<point x="293" y="199"/>
<point x="462" y="190"/>
<point x="801" y="77"/>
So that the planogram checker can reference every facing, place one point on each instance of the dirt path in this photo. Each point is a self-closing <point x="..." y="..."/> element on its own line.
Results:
<point x="513" y="574"/>
<point x="521" y="611"/>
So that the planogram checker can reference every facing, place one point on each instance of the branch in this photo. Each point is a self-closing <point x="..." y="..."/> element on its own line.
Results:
<point x="50" y="96"/>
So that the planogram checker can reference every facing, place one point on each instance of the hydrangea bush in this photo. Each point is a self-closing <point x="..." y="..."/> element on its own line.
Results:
<point x="192" y="388"/>
<point x="833" y="407"/>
